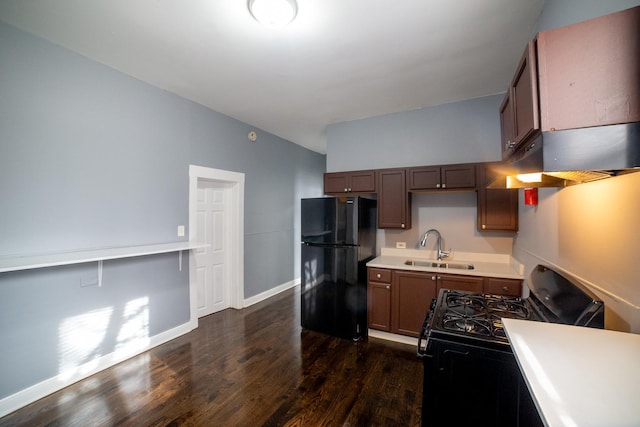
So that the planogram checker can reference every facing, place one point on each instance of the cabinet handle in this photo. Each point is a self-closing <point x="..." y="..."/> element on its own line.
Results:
<point x="433" y="277"/>
<point x="509" y="145"/>
<point x="346" y="190"/>
<point x="444" y="185"/>
<point x="387" y="287"/>
<point x="438" y="185"/>
<point x="484" y="226"/>
<point x="401" y="225"/>
<point x="504" y="288"/>
<point x="379" y="275"/>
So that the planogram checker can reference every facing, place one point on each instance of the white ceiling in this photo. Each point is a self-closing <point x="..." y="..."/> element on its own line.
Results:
<point x="340" y="60"/>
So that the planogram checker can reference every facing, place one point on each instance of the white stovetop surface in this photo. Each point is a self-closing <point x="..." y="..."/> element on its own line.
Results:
<point x="578" y="376"/>
<point x="488" y="265"/>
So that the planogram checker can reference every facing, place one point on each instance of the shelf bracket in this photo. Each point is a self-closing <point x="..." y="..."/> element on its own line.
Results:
<point x="100" y="273"/>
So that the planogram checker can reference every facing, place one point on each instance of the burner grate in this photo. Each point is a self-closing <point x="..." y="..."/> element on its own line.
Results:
<point x="480" y="315"/>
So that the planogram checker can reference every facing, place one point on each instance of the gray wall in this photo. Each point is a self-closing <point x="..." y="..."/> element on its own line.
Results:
<point x="557" y="13"/>
<point x="277" y="174"/>
<point x="460" y="132"/>
<point x="92" y="158"/>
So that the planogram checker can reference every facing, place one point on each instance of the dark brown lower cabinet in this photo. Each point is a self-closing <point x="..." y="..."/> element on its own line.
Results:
<point x="398" y="300"/>
<point x="496" y="285"/>
<point x="460" y="283"/>
<point x="411" y="295"/>
<point x="379" y="301"/>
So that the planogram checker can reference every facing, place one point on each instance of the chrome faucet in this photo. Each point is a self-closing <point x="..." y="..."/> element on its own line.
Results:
<point x="440" y="253"/>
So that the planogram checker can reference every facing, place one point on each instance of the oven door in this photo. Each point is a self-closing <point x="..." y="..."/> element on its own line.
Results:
<point x="472" y="385"/>
<point x="423" y="339"/>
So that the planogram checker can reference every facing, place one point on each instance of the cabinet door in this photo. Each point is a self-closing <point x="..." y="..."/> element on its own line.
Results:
<point x="458" y="176"/>
<point x="379" y="310"/>
<point x="524" y="94"/>
<point x="350" y="182"/>
<point x="411" y="295"/>
<point x="494" y="285"/>
<point x="460" y="283"/>
<point x="427" y="178"/>
<point x="363" y="181"/>
<point x="589" y="72"/>
<point x="336" y="182"/>
<point x="393" y="200"/>
<point x="506" y="126"/>
<point x="497" y="208"/>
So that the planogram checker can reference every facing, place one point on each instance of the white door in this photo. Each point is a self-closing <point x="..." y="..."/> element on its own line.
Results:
<point x="212" y="263"/>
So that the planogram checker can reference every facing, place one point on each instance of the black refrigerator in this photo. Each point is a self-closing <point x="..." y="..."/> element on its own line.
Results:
<point x="338" y="239"/>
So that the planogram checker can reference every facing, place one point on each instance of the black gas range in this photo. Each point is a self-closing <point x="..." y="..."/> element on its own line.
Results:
<point x="470" y="374"/>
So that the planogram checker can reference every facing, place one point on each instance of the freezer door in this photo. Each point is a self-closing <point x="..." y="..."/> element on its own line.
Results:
<point x="330" y="220"/>
<point x="333" y="299"/>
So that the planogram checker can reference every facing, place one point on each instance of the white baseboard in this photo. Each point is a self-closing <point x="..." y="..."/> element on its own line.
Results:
<point x="271" y="292"/>
<point x="373" y="333"/>
<point x="60" y="381"/>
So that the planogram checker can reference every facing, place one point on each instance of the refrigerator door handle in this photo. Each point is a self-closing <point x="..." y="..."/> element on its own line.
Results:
<point x="329" y="245"/>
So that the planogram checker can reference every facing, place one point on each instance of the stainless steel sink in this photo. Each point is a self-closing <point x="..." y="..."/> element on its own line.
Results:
<point x="438" y="264"/>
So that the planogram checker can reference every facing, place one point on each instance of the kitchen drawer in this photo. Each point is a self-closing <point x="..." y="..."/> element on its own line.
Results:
<point x="494" y="285"/>
<point x="380" y="275"/>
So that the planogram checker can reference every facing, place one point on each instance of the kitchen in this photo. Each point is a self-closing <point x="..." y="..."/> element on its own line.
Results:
<point x="589" y="230"/>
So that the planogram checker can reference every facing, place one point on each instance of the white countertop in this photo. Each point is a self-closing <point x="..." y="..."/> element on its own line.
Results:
<point x="486" y="265"/>
<point x="579" y="376"/>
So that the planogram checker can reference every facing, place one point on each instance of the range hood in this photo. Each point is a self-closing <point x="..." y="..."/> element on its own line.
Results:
<point x="574" y="156"/>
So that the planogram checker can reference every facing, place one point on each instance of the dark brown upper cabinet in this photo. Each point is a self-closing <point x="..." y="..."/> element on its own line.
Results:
<point x="497" y="208"/>
<point x="394" y="202"/>
<point x="350" y="182"/>
<point x="448" y="177"/>
<point x="590" y="72"/>
<point x="519" y="113"/>
<point x="506" y="126"/>
<point x="577" y="76"/>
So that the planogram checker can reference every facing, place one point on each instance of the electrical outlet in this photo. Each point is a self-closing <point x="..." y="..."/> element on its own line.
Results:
<point x="401" y="245"/>
<point x="181" y="231"/>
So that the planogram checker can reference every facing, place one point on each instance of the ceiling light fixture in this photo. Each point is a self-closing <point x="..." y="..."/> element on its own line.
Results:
<point x="273" y="13"/>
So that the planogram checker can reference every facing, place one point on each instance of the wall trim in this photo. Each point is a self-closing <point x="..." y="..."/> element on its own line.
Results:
<point x="271" y="292"/>
<point x="402" y="339"/>
<point x="44" y="388"/>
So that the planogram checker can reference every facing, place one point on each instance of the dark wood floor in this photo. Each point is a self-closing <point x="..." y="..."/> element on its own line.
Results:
<point x="246" y="367"/>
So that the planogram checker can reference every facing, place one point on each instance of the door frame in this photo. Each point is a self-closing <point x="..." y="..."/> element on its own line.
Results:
<point x="234" y="183"/>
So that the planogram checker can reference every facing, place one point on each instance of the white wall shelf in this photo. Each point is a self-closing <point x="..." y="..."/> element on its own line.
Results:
<point x="17" y="263"/>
